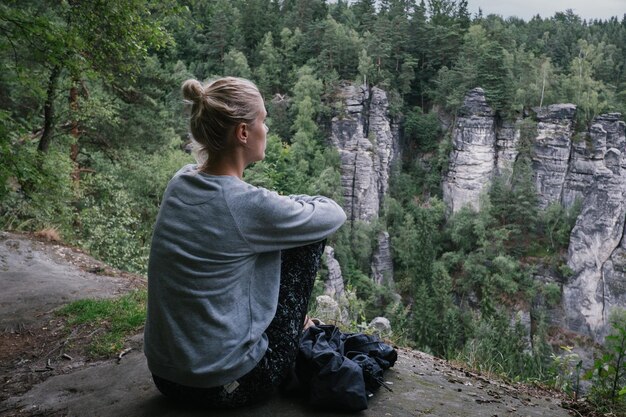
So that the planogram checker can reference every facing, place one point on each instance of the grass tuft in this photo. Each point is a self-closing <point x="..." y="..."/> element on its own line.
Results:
<point x="118" y="318"/>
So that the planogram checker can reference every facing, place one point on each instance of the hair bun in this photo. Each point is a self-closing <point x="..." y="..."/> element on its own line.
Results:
<point x="193" y="90"/>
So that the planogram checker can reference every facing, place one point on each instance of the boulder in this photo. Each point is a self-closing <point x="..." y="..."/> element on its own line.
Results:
<point x="380" y="326"/>
<point x="328" y="310"/>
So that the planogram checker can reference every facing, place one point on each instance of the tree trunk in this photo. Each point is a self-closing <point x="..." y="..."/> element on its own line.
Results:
<point x="48" y="110"/>
<point x="73" y="98"/>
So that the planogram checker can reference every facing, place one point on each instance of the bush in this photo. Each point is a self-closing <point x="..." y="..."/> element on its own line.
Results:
<point x="608" y="375"/>
<point x="38" y="191"/>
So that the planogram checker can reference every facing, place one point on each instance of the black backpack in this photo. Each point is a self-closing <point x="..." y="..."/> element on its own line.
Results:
<point x="341" y="370"/>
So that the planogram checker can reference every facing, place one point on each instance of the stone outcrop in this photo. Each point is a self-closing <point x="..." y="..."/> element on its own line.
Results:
<point x="380" y="326"/>
<point x="382" y="261"/>
<point x="596" y="250"/>
<point x="567" y="167"/>
<point x="368" y="144"/>
<point x="473" y="159"/>
<point x="328" y="310"/>
<point x="333" y="285"/>
<point x="551" y="148"/>
<point x="507" y="140"/>
<point x="483" y="149"/>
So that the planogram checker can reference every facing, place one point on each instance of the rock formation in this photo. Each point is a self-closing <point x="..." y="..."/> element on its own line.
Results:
<point x="473" y="159"/>
<point x="596" y="250"/>
<point x="333" y="286"/>
<point x="382" y="262"/>
<point x="551" y="150"/>
<point x="368" y="145"/>
<point x="567" y="167"/>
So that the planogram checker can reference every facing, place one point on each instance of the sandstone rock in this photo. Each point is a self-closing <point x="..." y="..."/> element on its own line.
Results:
<point x="598" y="231"/>
<point x="368" y="144"/>
<point x="567" y="167"/>
<point x="380" y="326"/>
<point x="614" y="277"/>
<point x="551" y="151"/>
<point x="507" y="140"/>
<point x="595" y="253"/>
<point x="556" y="113"/>
<point x="580" y="176"/>
<point x="475" y="104"/>
<point x="382" y="261"/>
<point x="614" y="128"/>
<point x="473" y="158"/>
<point x="328" y="310"/>
<point x="333" y="286"/>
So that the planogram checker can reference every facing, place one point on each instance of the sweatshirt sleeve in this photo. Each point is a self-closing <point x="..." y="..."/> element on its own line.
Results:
<point x="271" y="222"/>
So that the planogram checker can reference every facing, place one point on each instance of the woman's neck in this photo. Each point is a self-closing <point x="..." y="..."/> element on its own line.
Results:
<point x="231" y="165"/>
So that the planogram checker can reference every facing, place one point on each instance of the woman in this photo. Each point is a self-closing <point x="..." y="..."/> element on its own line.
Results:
<point x="231" y="265"/>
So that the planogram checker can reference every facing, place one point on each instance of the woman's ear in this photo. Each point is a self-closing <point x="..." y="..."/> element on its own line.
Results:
<point x="241" y="133"/>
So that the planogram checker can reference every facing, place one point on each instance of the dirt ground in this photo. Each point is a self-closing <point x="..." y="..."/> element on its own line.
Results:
<point x="45" y="370"/>
<point x="37" y="277"/>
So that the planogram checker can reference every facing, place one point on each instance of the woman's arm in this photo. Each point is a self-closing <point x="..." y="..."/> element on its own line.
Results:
<point x="268" y="221"/>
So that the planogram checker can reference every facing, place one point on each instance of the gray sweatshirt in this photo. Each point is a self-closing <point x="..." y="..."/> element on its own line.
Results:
<point x="214" y="273"/>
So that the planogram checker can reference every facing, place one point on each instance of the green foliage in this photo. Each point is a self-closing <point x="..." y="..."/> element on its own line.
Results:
<point x="370" y="298"/>
<point x="558" y="223"/>
<point x="566" y="370"/>
<point x="422" y="130"/>
<point x="120" y="202"/>
<point x="119" y="317"/>
<point x="236" y="64"/>
<point x="552" y="293"/>
<point x="414" y="238"/>
<point x="501" y="347"/>
<point x="609" y="371"/>
<point x="38" y="192"/>
<point x="109" y="225"/>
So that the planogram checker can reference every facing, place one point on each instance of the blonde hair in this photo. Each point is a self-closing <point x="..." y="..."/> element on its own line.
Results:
<point x="217" y="107"/>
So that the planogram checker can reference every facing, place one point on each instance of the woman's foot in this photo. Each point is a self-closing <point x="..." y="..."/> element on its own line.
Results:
<point x="308" y="322"/>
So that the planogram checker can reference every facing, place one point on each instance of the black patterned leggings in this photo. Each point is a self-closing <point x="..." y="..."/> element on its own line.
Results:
<point x="298" y="270"/>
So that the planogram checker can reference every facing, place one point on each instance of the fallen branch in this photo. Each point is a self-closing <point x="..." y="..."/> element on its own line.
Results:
<point x="122" y="353"/>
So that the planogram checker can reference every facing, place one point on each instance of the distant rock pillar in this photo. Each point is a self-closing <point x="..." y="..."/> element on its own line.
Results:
<point x="473" y="157"/>
<point x="333" y="286"/>
<point x="551" y="150"/>
<point x="382" y="261"/>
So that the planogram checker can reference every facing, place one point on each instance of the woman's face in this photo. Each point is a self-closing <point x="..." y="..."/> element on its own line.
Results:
<point x="257" y="136"/>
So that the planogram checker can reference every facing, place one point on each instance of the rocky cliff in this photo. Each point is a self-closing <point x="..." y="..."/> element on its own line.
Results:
<point x="473" y="159"/>
<point x="368" y="144"/>
<point x="567" y="167"/>
<point x="596" y="249"/>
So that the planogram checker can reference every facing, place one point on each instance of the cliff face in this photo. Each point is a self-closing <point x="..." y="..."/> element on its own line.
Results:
<point x="368" y="145"/>
<point x="551" y="151"/>
<point x="473" y="159"/>
<point x="567" y="168"/>
<point x="596" y="250"/>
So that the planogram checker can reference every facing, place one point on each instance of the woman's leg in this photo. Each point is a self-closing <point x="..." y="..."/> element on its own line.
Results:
<point x="298" y="270"/>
